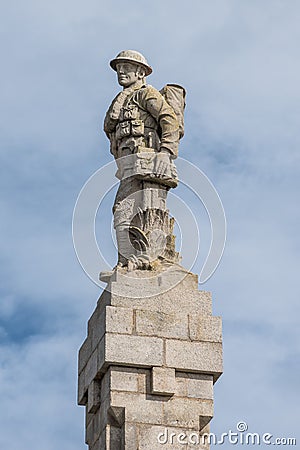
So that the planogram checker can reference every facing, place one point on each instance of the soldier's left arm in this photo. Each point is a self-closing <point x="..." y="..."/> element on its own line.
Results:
<point x="153" y="102"/>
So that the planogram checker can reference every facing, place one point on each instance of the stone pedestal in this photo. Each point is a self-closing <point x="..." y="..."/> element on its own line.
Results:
<point x="149" y="362"/>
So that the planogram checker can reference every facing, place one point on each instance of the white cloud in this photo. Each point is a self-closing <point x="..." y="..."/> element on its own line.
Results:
<point x="37" y="387"/>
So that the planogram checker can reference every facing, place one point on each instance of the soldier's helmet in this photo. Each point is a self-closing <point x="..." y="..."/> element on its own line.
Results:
<point x="131" y="56"/>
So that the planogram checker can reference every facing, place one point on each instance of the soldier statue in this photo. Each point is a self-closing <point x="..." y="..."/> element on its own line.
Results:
<point x="144" y="126"/>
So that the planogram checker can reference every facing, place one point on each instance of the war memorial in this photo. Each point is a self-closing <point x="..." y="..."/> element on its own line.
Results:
<point x="153" y="350"/>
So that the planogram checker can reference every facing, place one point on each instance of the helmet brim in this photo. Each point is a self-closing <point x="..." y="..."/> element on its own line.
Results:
<point x="113" y="64"/>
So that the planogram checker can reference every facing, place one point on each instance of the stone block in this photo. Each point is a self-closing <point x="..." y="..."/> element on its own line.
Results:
<point x="118" y="439"/>
<point x="102" y="416"/>
<point x="100" y="419"/>
<point x="116" y="416"/>
<point x="105" y="386"/>
<point x="114" y="438"/>
<point x="155" y="323"/>
<point x="124" y="379"/>
<point x="153" y="437"/>
<point x="89" y="433"/>
<point x="163" y="381"/>
<point x="146" y="284"/>
<point x="128" y="350"/>
<point x="144" y="381"/>
<point x="88" y="417"/>
<point x="102" y="442"/>
<point x="97" y="330"/>
<point x="185" y="412"/>
<point x="169" y="438"/>
<point x="202" y="357"/>
<point x="127" y="379"/>
<point x="119" y="320"/>
<point x="194" y="385"/>
<point x="84" y="354"/>
<point x="139" y="408"/>
<point x="166" y="292"/>
<point x="92" y="322"/>
<point x="96" y="446"/>
<point x="93" y="396"/>
<point x="189" y="302"/>
<point x="91" y="368"/>
<point x="203" y="328"/>
<point x="131" y="436"/>
<point x="112" y="320"/>
<point x="82" y="389"/>
<point x="111" y="438"/>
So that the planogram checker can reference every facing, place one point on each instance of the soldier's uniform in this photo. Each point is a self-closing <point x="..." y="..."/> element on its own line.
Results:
<point x="141" y="117"/>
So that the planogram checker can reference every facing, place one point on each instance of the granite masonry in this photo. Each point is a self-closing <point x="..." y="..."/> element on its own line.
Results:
<point x="148" y="365"/>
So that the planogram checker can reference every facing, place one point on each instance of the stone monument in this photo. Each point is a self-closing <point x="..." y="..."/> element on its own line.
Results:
<point x="153" y="349"/>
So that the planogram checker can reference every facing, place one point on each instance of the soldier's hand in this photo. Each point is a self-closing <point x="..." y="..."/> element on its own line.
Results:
<point x="162" y="162"/>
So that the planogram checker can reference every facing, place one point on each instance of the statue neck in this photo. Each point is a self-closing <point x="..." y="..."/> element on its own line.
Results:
<point x="136" y="85"/>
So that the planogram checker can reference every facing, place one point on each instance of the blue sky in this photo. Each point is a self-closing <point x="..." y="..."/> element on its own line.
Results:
<point x="239" y="62"/>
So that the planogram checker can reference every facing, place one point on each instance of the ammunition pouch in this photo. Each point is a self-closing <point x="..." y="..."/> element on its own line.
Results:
<point x="129" y="128"/>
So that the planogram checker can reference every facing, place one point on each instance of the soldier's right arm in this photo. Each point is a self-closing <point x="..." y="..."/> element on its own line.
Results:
<point x="109" y="126"/>
<point x="109" y="123"/>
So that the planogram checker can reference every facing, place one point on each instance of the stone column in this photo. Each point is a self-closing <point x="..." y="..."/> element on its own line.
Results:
<point x="147" y="367"/>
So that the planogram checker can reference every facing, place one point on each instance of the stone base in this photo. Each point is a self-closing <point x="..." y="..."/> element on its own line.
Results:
<point x="147" y="367"/>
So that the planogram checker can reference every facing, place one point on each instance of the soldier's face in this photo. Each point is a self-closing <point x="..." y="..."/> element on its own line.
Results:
<point x="128" y="74"/>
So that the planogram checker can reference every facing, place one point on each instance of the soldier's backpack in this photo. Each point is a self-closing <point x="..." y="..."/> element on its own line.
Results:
<point x="175" y="94"/>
